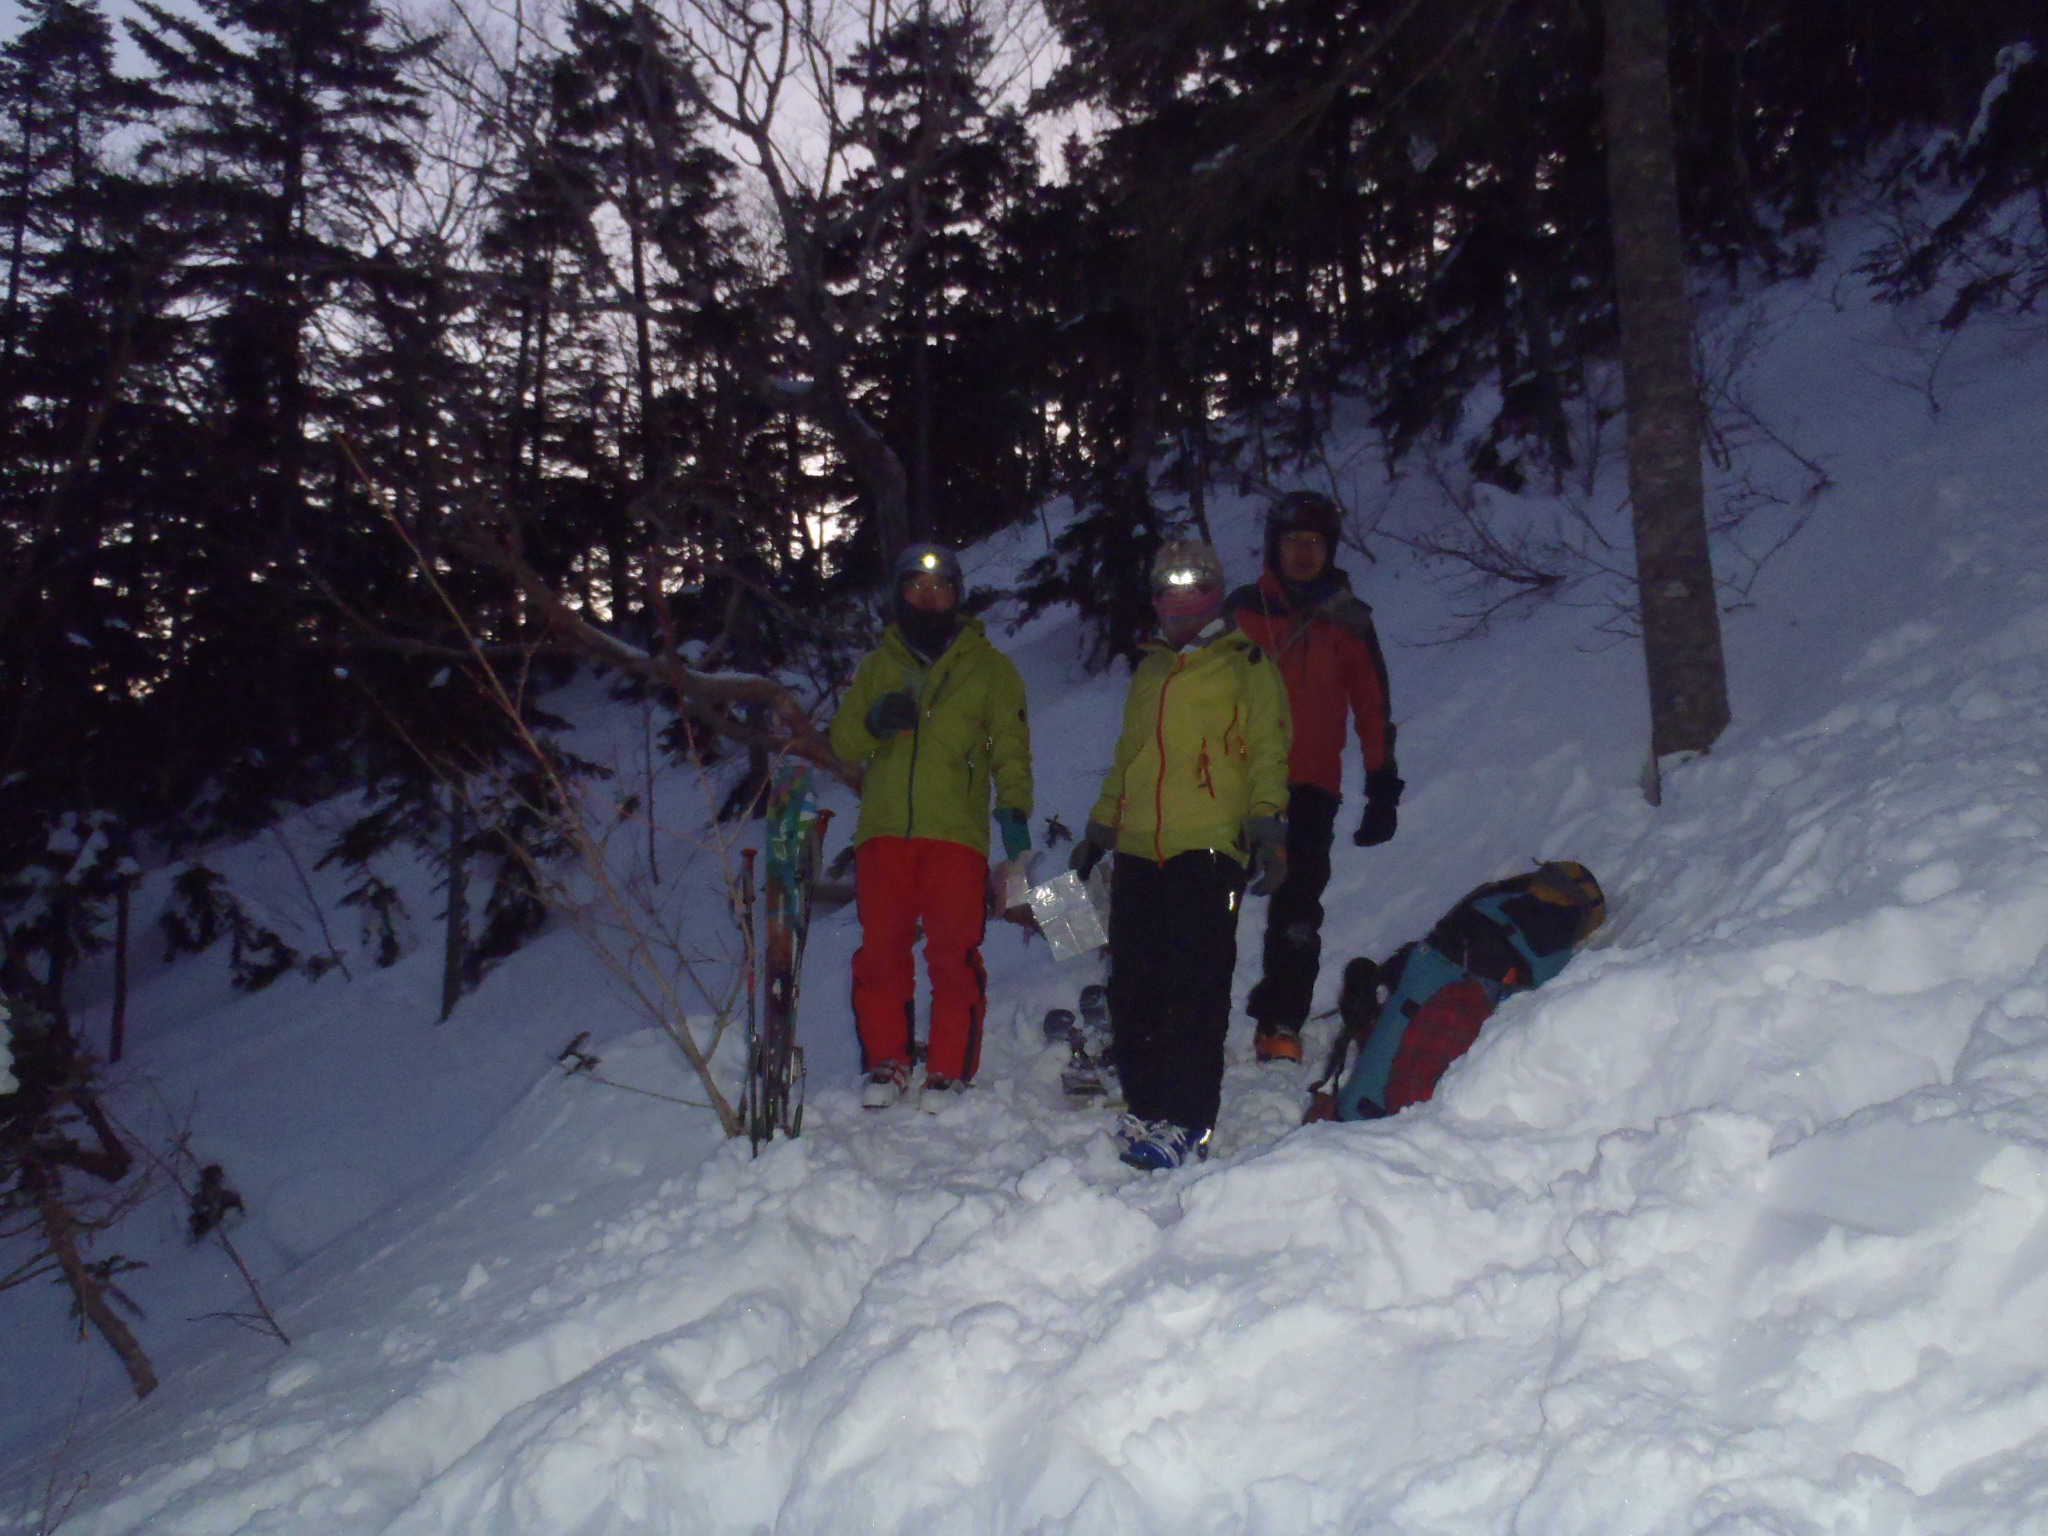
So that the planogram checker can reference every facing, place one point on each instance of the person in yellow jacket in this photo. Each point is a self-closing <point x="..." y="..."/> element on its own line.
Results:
<point x="1197" y="791"/>
<point x="934" y="715"/>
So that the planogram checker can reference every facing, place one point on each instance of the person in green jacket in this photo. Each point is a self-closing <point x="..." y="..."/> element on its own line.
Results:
<point x="934" y="716"/>
<point x="1197" y="791"/>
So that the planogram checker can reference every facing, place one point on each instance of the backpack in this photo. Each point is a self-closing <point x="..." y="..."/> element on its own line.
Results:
<point x="1408" y="1020"/>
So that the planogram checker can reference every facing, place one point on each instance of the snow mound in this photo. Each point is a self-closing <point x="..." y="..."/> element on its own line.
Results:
<point x="1740" y="1225"/>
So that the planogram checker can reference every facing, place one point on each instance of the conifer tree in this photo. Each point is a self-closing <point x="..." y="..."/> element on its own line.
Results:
<point x="951" y="359"/>
<point x="86" y="430"/>
<point x="283" y="136"/>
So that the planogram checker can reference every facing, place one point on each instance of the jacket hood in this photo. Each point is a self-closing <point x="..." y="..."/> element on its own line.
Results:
<point x="972" y="632"/>
<point x="1289" y="596"/>
<point x="1218" y="628"/>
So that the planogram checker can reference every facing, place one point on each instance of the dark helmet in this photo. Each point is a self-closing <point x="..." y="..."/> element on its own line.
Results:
<point x="936" y="559"/>
<point x="1568" y="883"/>
<point x="1302" y="512"/>
<point x="929" y="632"/>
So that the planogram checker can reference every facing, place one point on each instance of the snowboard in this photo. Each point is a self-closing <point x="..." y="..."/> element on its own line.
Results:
<point x="1087" y="1079"/>
<point x="773" y="1100"/>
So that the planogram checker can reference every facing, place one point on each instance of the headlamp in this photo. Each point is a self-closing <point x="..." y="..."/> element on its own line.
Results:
<point x="1181" y="579"/>
<point x="1185" y="568"/>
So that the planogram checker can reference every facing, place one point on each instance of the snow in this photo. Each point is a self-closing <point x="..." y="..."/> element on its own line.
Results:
<point x="1740" y="1225"/>
<point x="2011" y="59"/>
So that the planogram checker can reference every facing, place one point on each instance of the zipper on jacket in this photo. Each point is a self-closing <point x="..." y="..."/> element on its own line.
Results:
<point x="1159" y="789"/>
<point x="910" y="784"/>
<point x="925" y="705"/>
<point x="1298" y="654"/>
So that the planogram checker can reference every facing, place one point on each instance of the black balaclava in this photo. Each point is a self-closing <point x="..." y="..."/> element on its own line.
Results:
<point x="928" y="633"/>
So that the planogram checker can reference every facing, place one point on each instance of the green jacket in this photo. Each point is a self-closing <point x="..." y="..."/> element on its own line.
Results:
<point x="934" y="781"/>
<point x="1204" y="749"/>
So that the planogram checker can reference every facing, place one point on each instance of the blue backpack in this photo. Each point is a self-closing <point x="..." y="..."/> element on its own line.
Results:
<point x="1404" y="1023"/>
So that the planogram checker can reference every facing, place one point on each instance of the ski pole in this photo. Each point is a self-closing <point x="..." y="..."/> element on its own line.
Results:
<point x="749" y="1093"/>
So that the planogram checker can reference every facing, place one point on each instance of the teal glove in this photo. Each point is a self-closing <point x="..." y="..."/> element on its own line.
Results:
<point x="1016" y="831"/>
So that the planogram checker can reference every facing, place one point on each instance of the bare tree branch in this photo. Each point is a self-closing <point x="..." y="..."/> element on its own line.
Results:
<point x="713" y="696"/>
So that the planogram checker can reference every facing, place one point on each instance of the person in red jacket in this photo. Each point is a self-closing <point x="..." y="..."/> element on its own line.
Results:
<point x="1302" y="613"/>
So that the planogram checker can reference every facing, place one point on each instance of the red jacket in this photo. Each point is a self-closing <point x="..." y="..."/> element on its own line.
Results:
<point x="1330" y="658"/>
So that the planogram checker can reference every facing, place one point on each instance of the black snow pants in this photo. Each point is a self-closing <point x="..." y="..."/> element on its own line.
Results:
<point x="1172" y="951"/>
<point x="1294" y="916"/>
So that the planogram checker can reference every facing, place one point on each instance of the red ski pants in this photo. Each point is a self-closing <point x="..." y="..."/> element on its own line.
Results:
<point x="904" y="882"/>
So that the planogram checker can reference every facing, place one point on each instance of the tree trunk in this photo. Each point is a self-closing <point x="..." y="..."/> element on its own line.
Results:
<point x="17" y="257"/>
<point x="455" y="952"/>
<point x="537" y="420"/>
<point x="1197" y="458"/>
<point x="643" y="380"/>
<point x="60" y="1232"/>
<point x="647" y="810"/>
<point x="59" y="976"/>
<point x="1674" y="572"/>
<point x="829" y="400"/>
<point x="923" y="524"/>
<point x="873" y="462"/>
<point x="117" y="1035"/>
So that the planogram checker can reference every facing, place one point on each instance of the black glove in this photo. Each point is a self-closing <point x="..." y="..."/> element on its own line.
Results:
<point x="1268" y="837"/>
<point x="891" y="713"/>
<point x="1383" y="788"/>
<point x="1099" y="839"/>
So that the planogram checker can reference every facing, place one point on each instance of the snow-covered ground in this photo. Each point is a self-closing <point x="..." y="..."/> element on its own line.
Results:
<point x="1741" y="1225"/>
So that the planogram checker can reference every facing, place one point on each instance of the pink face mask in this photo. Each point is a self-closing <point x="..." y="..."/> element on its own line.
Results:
<point x="1184" y="610"/>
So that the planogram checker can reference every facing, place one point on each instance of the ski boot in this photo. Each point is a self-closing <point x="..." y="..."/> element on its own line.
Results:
<point x="1095" y="1010"/>
<point x="938" y="1093"/>
<point x="1161" y="1145"/>
<point x="1272" y="1043"/>
<point x="885" y="1085"/>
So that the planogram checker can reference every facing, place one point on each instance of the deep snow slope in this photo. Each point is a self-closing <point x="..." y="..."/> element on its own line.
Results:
<point x="1740" y="1225"/>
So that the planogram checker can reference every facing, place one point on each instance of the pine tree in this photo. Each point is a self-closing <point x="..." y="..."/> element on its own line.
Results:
<point x="85" y="433"/>
<point x="283" y="138"/>
<point x="952" y="371"/>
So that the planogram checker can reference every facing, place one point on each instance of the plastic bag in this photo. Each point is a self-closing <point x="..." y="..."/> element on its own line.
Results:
<point x="1073" y="917"/>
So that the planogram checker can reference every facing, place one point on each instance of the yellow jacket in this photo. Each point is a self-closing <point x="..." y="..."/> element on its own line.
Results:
<point x="933" y="780"/>
<point x="1204" y="749"/>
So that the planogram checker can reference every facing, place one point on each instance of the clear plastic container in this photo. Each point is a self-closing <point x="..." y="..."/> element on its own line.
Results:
<point x="1073" y="917"/>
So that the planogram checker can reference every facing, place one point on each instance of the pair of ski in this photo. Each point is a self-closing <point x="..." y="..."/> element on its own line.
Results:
<point x="772" y="1098"/>
<point x="1088" y="1078"/>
